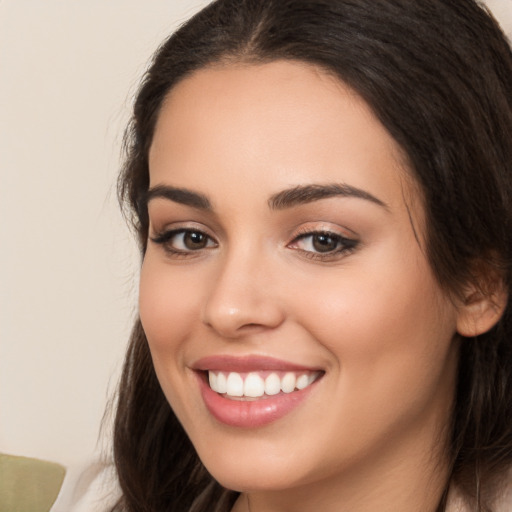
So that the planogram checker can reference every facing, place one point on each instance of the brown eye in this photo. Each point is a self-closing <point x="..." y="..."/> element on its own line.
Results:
<point x="194" y="240"/>
<point x="182" y="241"/>
<point x="323" y="245"/>
<point x="324" y="242"/>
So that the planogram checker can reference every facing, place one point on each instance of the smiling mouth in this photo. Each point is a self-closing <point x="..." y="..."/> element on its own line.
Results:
<point x="259" y="384"/>
<point x="253" y="391"/>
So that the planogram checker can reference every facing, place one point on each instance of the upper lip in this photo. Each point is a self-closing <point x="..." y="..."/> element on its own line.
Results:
<point x="250" y="363"/>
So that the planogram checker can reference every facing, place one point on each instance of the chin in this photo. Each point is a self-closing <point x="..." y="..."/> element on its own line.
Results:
<point x="253" y="473"/>
<point x="251" y="479"/>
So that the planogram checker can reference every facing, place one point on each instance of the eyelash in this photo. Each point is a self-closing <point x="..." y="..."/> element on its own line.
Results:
<point x="165" y="239"/>
<point x="343" y="244"/>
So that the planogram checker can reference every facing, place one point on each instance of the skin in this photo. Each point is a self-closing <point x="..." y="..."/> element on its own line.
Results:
<point x="371" y="434"/>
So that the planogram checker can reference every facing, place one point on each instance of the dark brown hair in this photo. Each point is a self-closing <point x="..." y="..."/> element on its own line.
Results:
<point x="438" y="75"/>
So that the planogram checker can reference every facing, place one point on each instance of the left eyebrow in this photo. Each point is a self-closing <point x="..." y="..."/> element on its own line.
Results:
<point x="178" y="195"/>
<point x="303" y="194"/>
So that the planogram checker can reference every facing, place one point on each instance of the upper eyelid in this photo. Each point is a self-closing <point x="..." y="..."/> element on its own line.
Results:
<point x="169" y="232"/>
<point x="323" y="227"/>
<point x="334" y="234"/>
<point x="305" y="229"/>
<point x="340" y="232"/>
<point x="180" y="226"/>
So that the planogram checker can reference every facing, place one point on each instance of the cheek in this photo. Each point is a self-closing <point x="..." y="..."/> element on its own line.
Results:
<point x="168" y="311"/>
<point x="390" y="330"/>
<point x="393" y="361"/>
<point x="167" y="307"/>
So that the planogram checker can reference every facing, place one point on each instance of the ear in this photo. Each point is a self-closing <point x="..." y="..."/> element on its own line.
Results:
<point x="482" y="306"/>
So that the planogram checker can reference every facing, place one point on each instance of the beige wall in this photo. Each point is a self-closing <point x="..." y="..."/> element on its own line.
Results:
<point x="68" y="268"/>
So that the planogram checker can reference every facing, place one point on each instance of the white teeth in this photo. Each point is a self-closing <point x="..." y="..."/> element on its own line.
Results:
<point x="212" y="379"/>
<point x="288" y="383"/>
<point x="272" y="384"/>
<point x="254" y="386"/>
<point x="302" y="382"/>
<point x="235" y="385"/>
<point x="222" y="385"/>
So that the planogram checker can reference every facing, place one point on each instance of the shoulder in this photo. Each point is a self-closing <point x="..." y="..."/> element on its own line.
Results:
<point x="86" y="487"/>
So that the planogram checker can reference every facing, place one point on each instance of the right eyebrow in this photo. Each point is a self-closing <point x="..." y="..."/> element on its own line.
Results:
<point x="177" y="195"/>
<point x="303" y="194"/>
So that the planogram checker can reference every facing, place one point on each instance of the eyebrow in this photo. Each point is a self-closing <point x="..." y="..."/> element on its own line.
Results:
<point x="178" y="195"/>
<point x="303" y="194"/>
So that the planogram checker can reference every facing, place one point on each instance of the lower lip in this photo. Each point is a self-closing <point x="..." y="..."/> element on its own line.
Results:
<point x="250" y="413"/>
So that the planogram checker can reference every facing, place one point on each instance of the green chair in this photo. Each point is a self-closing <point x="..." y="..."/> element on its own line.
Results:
<point x="28" y="485"/>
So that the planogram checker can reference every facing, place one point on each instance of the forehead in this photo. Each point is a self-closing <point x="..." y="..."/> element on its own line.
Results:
<point x="279" y="124"/>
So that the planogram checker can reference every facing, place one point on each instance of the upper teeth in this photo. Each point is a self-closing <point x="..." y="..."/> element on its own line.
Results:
<point x="255" y="385"/>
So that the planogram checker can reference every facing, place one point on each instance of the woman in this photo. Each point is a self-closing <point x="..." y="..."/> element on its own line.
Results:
<point x="322" y="195"/>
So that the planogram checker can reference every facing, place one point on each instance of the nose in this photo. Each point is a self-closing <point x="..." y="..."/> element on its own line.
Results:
<point x="242" y="298"/>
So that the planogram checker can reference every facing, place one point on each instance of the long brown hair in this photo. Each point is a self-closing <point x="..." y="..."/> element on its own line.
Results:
<point x="438" y="75"/>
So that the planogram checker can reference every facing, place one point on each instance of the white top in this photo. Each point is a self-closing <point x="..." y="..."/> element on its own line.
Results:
<point x="88" y="487"/>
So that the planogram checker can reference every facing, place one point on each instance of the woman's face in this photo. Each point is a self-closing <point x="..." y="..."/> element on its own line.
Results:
<point x="287" y="251"/>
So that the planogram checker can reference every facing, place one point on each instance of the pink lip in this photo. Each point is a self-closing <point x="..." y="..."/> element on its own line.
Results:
<point x="248" y="413"/>
<point x="228" y="363"/>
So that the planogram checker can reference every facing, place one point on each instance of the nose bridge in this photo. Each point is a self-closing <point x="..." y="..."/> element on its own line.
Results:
<point x="241" y="296"/>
